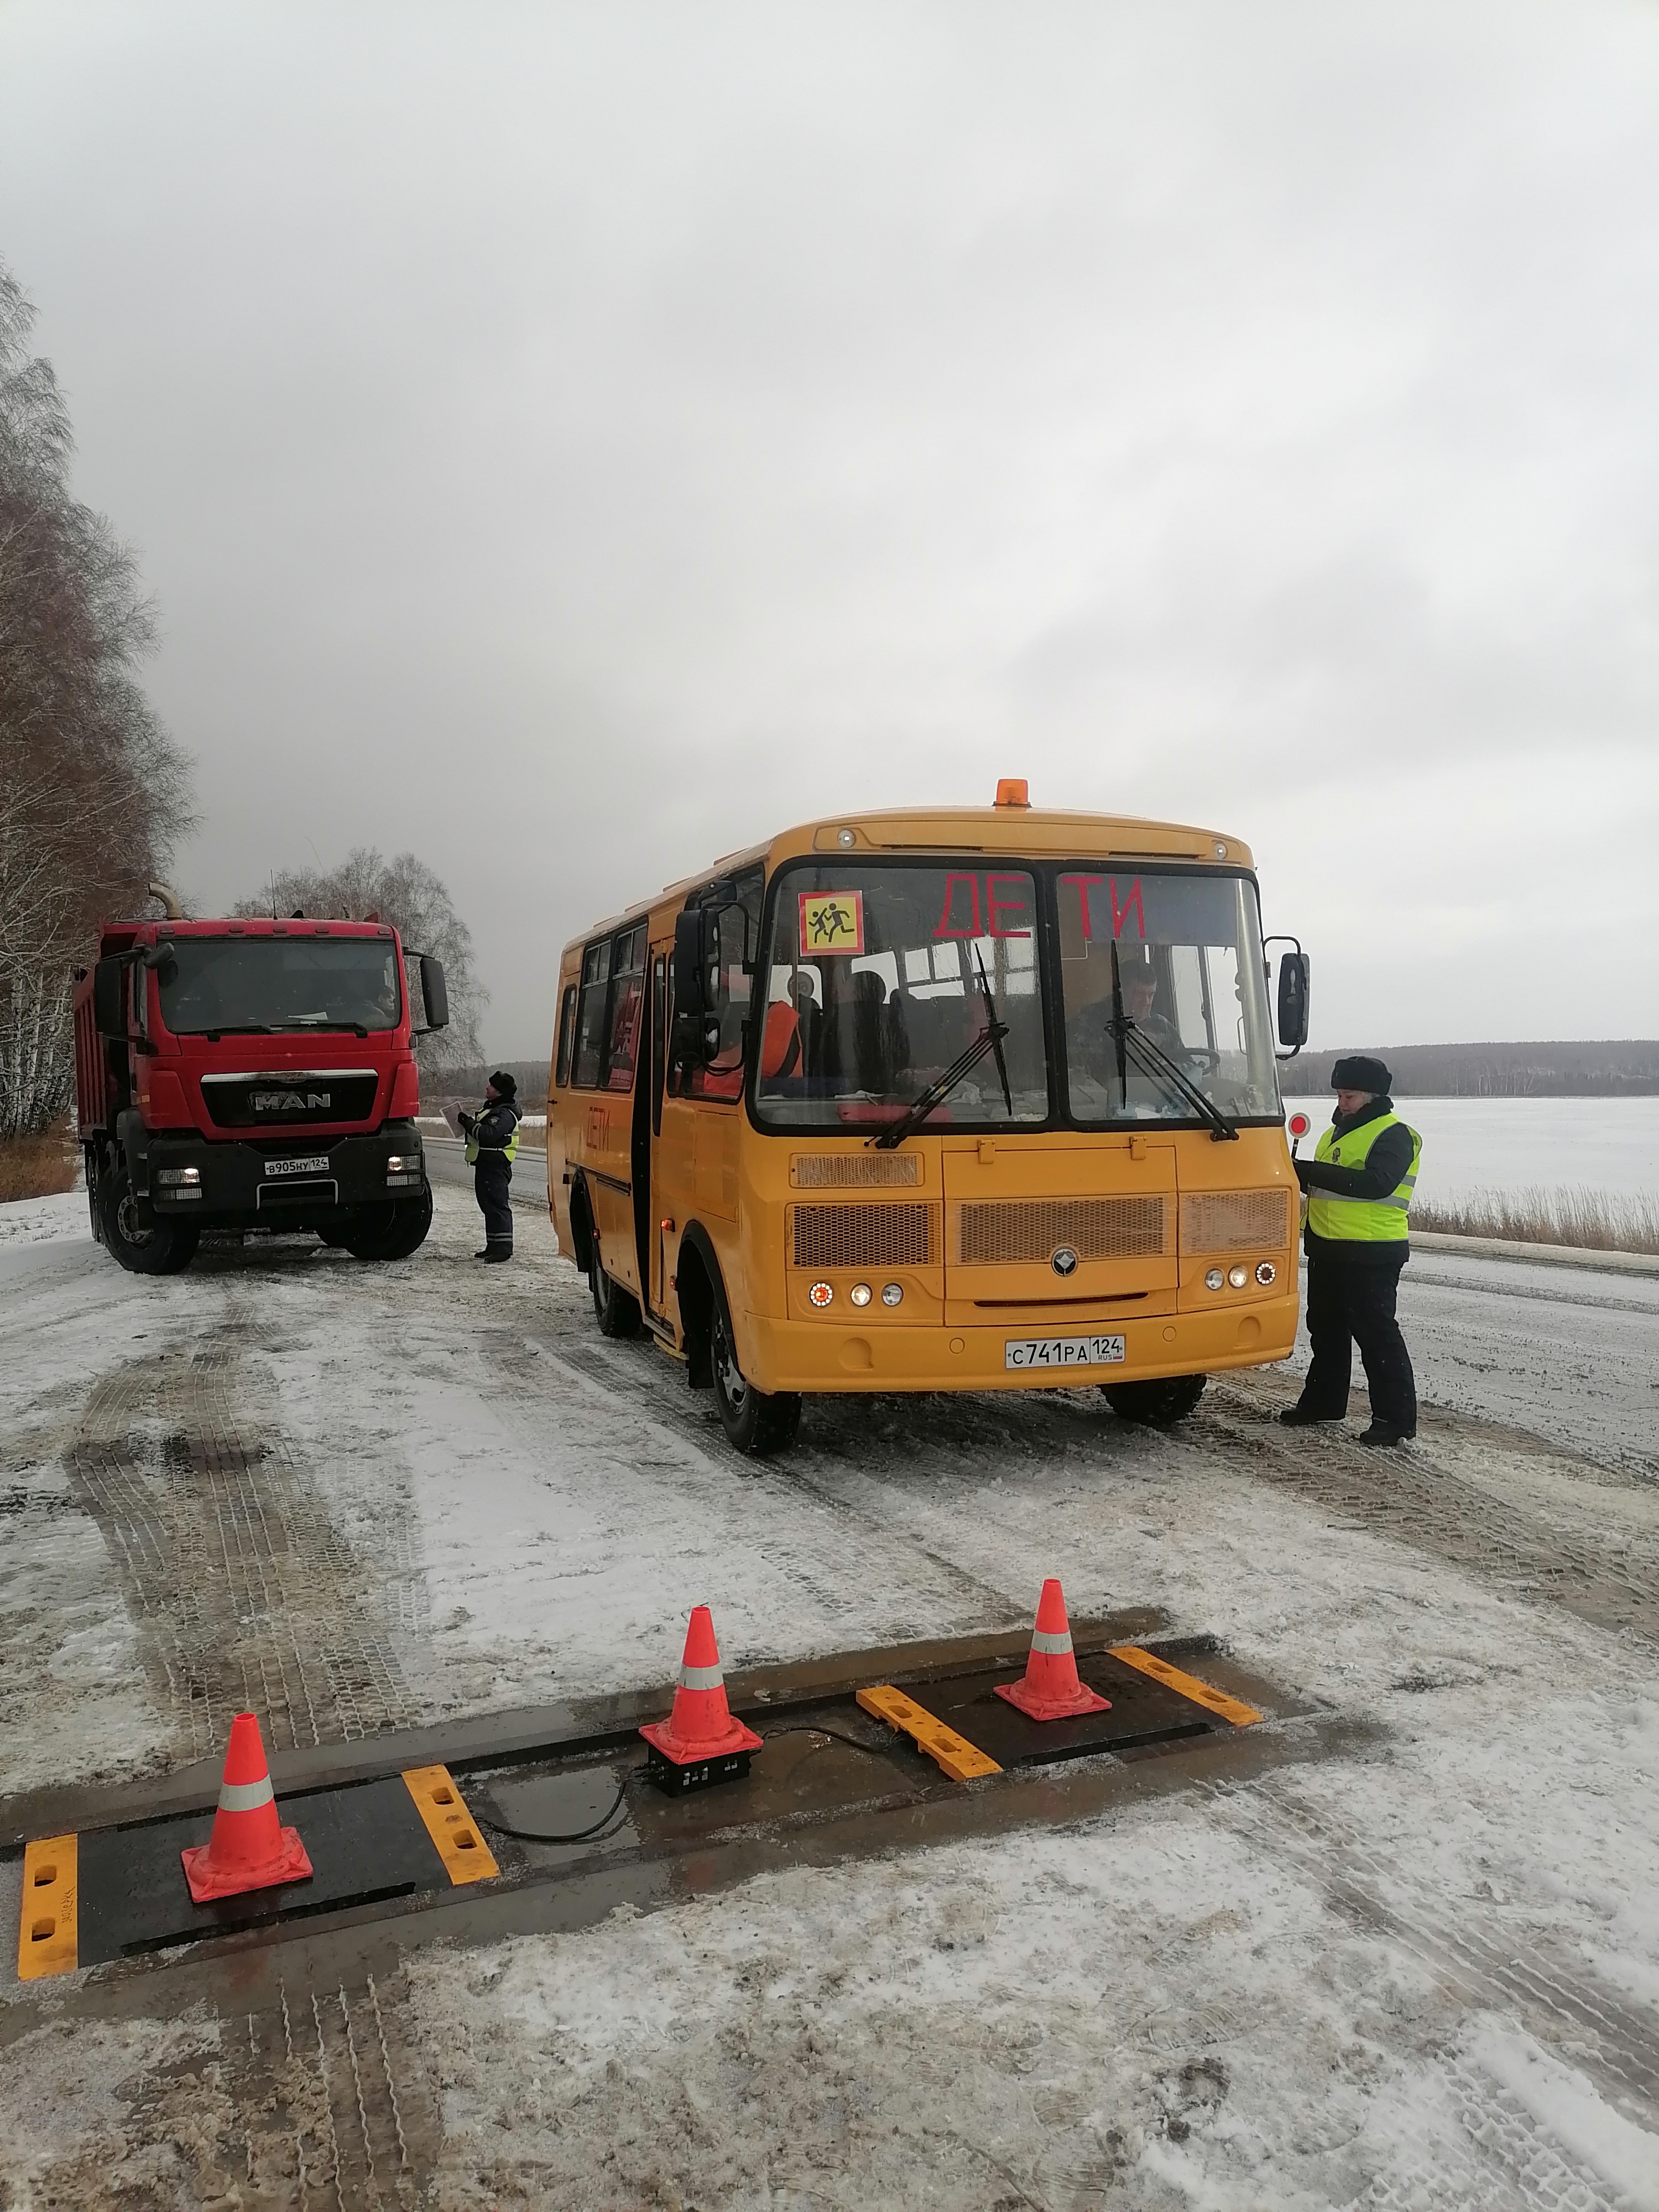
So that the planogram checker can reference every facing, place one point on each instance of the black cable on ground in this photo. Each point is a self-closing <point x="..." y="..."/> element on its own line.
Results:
<point x="591" y="1832"/>
<point x="811" y="1727"/>
<point x="573" y="1835"/>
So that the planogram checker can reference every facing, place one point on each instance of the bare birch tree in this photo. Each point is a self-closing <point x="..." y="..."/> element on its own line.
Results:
<point x="406" y="893"/>
<point x="92" y="789"/>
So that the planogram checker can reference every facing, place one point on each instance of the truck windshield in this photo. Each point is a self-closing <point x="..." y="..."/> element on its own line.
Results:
<point x="220" y="984"/>
<point x="871" y="990"/>
<point x="1189" y="979"/>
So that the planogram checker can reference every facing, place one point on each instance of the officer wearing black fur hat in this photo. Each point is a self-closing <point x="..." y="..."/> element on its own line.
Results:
<point x="492" y="1145"/>
<point x="1358" y="1187"/>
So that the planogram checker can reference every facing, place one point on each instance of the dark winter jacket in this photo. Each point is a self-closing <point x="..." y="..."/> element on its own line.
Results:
<point x="490" y="1131"/>
<point x="1386" y="1164"/>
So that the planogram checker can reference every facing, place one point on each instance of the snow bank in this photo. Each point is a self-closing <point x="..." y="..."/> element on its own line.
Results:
<point x="39" y="1221"/>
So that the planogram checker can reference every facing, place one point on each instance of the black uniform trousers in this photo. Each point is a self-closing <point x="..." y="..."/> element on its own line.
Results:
<point x="492" y="1184"/>
<point x="1349" y="1304"/>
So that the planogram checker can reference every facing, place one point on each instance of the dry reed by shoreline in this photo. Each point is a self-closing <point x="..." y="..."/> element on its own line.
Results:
<point x="1593" y="1220"/>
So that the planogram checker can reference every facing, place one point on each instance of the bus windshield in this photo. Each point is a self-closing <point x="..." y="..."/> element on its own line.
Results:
<point x="1189" y="978"/>
<point x="874" y="987"/>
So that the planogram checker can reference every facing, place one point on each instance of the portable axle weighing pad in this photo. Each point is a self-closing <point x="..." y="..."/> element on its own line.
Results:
<point x="118" y="1891"/>
<point x="113" y="1892"/>
<point x="962" y="1723"/>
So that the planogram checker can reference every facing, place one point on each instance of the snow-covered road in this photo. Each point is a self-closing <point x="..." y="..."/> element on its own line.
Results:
<point x="1424" y="1972"/>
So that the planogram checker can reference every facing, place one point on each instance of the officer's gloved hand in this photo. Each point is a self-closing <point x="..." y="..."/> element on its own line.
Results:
<point x="1301" y="1167"/>
<point x="468" y="1123"/>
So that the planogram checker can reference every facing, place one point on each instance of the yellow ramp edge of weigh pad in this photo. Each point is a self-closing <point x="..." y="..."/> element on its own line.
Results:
<point x="47" y="1929"/>
<point x="962" y="1760"/>
<point x="451" y="1827"/>
<point x="1188" y="1685"/>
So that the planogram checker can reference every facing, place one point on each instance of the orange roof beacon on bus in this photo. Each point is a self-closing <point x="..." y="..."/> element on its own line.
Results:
<point x="951" y="1098"/>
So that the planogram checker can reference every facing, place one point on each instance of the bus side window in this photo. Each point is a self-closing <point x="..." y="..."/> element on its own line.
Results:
<point x="590" y="1019"/>
<point x="567" y="1035"/>
<point x="627" y="1008"/>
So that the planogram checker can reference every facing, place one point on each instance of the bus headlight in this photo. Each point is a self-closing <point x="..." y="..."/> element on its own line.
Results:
<point x="821" y="1293"/>
<point x="859" y="1294"/>
<point x="892" y="1293"/>
<point x="1266" y="1272"/>
<point x="1238" y="1277"/>
<point x="1214" y="1280"/>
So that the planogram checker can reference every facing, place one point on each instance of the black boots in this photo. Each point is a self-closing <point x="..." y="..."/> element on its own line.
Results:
<point x="495" y="1253"/>
<point x="1295" y="1417"/>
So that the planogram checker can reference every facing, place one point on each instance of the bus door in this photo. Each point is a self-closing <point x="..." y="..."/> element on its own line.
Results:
<point x="647" y="1130"/>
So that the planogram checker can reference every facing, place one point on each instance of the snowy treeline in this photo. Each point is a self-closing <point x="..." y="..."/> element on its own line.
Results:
<point x="92" y="790"/>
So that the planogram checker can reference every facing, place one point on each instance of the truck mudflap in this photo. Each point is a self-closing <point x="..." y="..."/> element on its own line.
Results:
<point x="287" y="1184"/>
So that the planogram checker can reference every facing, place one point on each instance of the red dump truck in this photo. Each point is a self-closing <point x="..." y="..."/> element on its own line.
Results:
<point x="252" y="1074"/>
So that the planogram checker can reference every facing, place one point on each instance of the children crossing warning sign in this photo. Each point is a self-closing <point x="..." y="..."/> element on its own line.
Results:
<point x="831" y="922"/>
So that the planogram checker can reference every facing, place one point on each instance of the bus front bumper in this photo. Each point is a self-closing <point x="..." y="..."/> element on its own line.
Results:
<point x="812" y="1356"/>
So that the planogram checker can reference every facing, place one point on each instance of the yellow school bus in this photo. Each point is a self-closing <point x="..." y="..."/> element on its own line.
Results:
<point x="961" y="1099"/>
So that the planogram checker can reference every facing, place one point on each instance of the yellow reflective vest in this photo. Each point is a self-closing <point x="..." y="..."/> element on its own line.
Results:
<point x="1362" y="1221"/>
<point x="509" y="1150"/>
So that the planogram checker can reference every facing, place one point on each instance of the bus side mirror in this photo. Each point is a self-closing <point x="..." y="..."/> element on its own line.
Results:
<point x="697" y="1033"/>
<point x="1293" y="985"/>
<point x="691" y="993"/>
<point x="108" y="1014"/>
<point x="434" y="992"/>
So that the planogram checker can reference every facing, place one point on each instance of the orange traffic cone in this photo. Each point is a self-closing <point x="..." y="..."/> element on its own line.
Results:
<point x="1051" y="1690"/>
<point x="249" y="1848"/>
<point x="701" y="1728"/>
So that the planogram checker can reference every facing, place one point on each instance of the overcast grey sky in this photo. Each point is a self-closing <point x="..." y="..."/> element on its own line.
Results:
<point x="574" y="441"/>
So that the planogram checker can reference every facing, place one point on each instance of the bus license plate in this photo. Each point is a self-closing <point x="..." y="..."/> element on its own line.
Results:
<point x="315" y="1164"/>
<point x="1063" y="1350"/>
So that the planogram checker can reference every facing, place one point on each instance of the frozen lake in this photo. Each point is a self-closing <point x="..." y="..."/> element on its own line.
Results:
<point x="1513" y="1144"/>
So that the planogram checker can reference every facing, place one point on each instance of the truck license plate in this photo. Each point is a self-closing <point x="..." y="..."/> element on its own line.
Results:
<point x="1063" y="1350"/>
<point x="313" y="1163"/>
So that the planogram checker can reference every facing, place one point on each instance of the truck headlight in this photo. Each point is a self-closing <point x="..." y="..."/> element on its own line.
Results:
<point x="402" y="1164"/>
<point x="177" y="1178"/>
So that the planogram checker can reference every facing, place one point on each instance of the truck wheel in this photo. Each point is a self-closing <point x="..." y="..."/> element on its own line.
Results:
<point x="617" y="1309"/>
<point x="1154" y="1405"/>
<point x="391" y="1231"/>
<point x="757" y="1422"/>
<point x="161" y="1247"/>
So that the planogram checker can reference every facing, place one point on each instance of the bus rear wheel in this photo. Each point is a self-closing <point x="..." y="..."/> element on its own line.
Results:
<point x="1154" y="1405"/>
<point x="756" y="1422"/>
<point x="618" y="1310"/>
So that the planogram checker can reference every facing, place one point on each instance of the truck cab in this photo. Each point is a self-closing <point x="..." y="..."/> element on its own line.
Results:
<point x="253" y="1074"/>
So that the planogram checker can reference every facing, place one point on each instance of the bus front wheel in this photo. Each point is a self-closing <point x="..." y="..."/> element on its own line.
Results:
<point x="1154" y="1405"/>
<point x="756" y="1422"/>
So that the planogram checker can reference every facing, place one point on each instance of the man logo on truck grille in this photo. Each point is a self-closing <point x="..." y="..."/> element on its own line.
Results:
<point x="289" y="1102"/>
<point x="1064" y="1261"/>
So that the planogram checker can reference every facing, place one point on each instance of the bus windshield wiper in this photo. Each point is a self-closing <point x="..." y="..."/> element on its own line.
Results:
<point x="1155" y="1061"/>
<point x="989" y="1040"/>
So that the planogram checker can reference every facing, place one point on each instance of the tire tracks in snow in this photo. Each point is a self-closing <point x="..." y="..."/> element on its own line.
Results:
<point x="1409" y="1496"/>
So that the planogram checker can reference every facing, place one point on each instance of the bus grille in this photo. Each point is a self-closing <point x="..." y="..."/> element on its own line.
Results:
<point x="862" y="1236"/>
<point x="1235" y="1221"/>
<point x="1028" y="1230"/>
<point x="854" y="1170"/>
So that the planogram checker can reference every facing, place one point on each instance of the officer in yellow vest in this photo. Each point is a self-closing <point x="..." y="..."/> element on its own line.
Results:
<point x="1359" y="1185"/>
<point x="492" y="1145"/>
